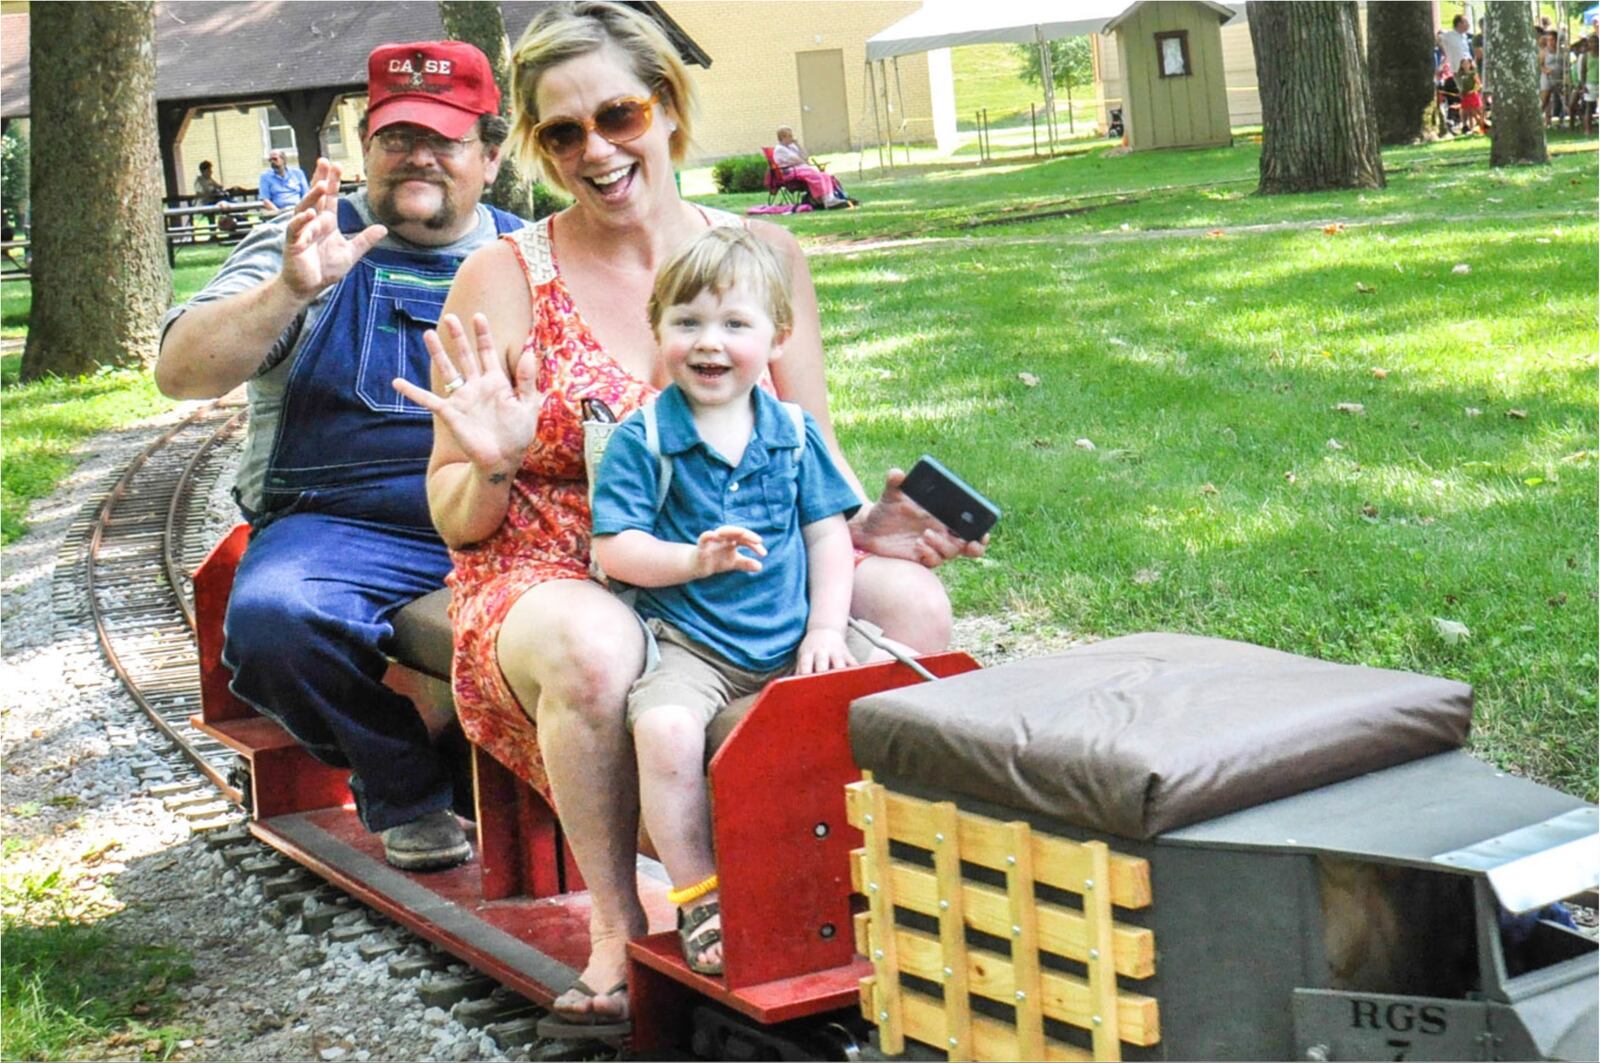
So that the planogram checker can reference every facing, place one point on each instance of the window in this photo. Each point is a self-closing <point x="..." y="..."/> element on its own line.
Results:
<point x="333" y="134"/>
<point x="1172" y="53"/>
<point x="276" y="133"/>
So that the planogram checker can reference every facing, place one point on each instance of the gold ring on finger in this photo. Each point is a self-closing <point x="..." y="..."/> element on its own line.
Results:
<point x="452" y="385"/>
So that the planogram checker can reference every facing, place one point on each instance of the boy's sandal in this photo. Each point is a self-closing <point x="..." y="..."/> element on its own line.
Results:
<point x="587" y="1026"/>
<point x="696" y="940"/>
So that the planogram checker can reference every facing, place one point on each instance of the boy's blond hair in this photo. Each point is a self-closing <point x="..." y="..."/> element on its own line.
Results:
<point x="566" y="31"/>
<point x="721" y="258"/>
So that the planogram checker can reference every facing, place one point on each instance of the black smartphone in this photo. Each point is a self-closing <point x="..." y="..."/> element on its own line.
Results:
<point x="949" y="498"/>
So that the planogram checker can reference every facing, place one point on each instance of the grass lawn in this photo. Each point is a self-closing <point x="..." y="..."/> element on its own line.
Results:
<point x="1143" y="363"/>
<point x="987" y="76"/>
<point x="46" y="420"/>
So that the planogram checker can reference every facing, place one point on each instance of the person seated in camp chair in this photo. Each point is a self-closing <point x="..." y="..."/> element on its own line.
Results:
<point x="825" y="192"/>
<point x="722" y="506"/>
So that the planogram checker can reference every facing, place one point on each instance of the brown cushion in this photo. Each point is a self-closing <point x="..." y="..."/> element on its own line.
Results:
<point x="422" y="634"/>
<point x="1146" y="733"/>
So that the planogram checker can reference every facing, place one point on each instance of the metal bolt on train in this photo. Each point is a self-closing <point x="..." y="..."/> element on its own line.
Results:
<point x="1153" y="847"/>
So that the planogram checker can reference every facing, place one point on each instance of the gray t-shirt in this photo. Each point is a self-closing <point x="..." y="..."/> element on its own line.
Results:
<point x="256" y="260"/>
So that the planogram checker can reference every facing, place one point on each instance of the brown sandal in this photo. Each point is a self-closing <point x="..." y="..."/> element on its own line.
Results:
<point x="695" y="940"/>
<point x="558" y="1027"/>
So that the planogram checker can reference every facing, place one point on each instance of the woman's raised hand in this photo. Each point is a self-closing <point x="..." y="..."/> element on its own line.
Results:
<point x="492" y="418"/>
<point x="895" y="526"/>
<point x="315" y="253"/>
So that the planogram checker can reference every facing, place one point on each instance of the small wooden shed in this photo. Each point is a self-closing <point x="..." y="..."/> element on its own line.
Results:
<point x="1174" y="92"/>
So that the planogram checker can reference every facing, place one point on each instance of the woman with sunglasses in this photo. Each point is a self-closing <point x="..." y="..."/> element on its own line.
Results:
<point x="544" y="656"/>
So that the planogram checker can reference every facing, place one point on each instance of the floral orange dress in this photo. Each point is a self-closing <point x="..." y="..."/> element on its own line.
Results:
<point x="545" y="534"/>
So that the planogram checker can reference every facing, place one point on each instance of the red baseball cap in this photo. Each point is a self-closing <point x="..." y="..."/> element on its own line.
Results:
<point x="443" y="85"/>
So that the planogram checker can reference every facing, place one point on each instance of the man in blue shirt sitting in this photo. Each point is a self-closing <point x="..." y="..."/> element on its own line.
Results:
<point x="282" y="186"/>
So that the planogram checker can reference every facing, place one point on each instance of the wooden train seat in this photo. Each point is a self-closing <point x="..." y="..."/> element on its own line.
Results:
<point x="422" y="635"/>
<point x="1146" y="733"/>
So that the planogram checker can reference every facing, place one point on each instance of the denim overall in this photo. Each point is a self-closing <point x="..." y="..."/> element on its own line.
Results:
<point x="344" y="538"/>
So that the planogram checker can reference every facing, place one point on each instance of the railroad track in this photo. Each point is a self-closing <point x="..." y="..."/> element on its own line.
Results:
<point x="125" y="566"/>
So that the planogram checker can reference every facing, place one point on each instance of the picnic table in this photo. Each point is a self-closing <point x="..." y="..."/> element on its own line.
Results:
<point x="15" y="260"/>
<point x="183" y="223"/>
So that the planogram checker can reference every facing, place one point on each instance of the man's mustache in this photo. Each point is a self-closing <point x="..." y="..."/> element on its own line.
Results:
<point x="433" y="178"/>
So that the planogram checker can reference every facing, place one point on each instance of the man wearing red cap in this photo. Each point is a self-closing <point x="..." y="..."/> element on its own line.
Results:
<point x="317" y="311"/>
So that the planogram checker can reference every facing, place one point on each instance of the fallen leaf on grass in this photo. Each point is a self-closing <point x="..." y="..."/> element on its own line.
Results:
<point x="1379" y="373"/>
<point x="1451" y="631"/>
<point x="1042" y="443"/>
<point x="1146" y="576"/>
<point x="1473" y="411"/>
<point x="1461" y="267"/>
<point x="1028" y="379"/>
<point x="1290" y="476"/>
<point x="1334" y="444"/>
<point x="1369" y="511"/>
<point x="1534" y="481"/>
<point x="1214" y="233"/>
<point x="1208" y="489"/>
<point x="1083" y="444"/>
<point x="1350" y="407"/>
<point x="1365" y="289"/>
<point x="1557" y="602"/>
<point x="1517" y="415"/>
<point x="1336" y="227"/>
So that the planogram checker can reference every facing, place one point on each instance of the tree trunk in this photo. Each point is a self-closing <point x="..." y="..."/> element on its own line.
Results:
<point x="480" y="22"/>
<point x="100" y="276"/>
<point x="1516" y="136"/>
<point x="1318" y="126"/>
<point x="1400" y="67"/>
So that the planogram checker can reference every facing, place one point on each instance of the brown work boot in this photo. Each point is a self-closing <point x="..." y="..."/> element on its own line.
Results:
<point x="428" y="843"/>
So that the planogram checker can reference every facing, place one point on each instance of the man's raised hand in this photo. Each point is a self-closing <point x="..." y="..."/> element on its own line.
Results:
<point x="492" y="418"/>
<point x="315" y="253"/>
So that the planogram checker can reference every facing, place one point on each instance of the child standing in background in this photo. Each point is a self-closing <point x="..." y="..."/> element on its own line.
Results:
<point x="1471" y="90"/>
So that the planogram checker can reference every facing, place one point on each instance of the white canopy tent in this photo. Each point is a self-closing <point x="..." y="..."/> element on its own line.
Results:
<point x="954" y="23"/>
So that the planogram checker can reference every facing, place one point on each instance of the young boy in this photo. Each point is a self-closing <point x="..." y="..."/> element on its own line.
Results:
<point x="744" y="568"/>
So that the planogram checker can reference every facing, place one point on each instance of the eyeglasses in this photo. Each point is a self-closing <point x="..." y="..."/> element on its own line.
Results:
<point x="405" y="141"/>
<point x="618" y="121"/>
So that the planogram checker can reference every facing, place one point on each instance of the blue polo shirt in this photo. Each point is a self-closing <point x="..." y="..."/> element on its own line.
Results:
<point x="755" y="620"/>
<point x="284" y="191"/>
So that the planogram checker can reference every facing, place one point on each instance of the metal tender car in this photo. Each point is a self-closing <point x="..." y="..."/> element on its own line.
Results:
<point x="1170" y="847"/>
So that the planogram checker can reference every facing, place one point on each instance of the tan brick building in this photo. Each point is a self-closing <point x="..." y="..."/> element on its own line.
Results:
<point x="802" y="63"/>
<point x="236" y="140"/>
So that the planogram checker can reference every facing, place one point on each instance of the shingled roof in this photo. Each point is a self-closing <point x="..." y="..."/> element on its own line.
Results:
<point x="210" y="52"/>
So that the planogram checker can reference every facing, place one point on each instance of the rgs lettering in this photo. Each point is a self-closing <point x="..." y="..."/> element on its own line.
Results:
<point x="429" y="66"/>
<point x="1399" y="1017"/>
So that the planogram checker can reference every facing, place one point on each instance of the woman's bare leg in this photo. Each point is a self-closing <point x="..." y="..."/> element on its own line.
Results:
<point x="906" y="600"/>
<point x="572" y="650"/>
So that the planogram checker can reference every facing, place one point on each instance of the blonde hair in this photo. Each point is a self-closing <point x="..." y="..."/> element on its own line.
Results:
<point x="721" y="258"/>
<point x="568" y="30"/>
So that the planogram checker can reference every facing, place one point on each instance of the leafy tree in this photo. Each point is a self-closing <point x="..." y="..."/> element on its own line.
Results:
<point x="1517" y="135"/>
<point x="100" y="276"/>
<point x="1400" y="67"/>
<point x="1318" y="126"/>
<point x="1070" y="62"/>
<point x="481" y="23"/>
<point x="14" y="174"/>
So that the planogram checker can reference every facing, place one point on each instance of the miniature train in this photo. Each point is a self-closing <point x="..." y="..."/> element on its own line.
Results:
<point x="1154" y="847"/>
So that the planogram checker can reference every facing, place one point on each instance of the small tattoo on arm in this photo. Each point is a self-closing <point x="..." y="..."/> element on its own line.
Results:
<point x="498" y="477"/>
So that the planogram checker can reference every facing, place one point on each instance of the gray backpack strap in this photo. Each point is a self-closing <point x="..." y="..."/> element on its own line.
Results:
<point x="652" y="443"/>
<point x="798" y="416"/>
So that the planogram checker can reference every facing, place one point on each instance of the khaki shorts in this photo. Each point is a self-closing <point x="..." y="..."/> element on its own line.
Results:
<point x="700" y="679"/>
